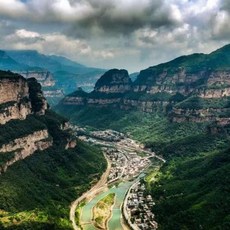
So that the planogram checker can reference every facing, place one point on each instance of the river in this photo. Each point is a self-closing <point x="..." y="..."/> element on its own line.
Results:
<point x="115" y="221"/>
<point x="116" y="218"/>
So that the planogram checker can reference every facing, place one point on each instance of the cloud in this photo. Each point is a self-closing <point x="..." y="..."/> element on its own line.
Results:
<point x="130" y="34"/>
<point x="121" y="16"/>
<point x="12" y="8"/>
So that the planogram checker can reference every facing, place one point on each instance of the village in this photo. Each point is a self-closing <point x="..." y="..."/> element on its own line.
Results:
<point x="138" y="208"/>
<point x="128" y="159"/>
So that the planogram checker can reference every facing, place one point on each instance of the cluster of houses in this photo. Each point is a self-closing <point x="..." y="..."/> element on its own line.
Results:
<point x="118" y="162"/>
<point x="125" y="165"/>
<point x="108" y="135"/>
<point x="139" y="207"/>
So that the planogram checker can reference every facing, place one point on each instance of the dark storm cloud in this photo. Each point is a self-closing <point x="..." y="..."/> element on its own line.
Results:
<point x="93" y="16"/>
<point x="111" y="18"/>
<point x="226" y="5"/>
<point x="220" y="22"/>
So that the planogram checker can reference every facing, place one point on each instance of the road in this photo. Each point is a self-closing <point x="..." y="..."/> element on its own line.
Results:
<point x="97" y="187"/>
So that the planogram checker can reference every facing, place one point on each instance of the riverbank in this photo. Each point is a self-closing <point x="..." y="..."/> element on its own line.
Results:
<point x="99" y="185"/>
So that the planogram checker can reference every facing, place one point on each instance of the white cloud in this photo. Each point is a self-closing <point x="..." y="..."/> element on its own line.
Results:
<point x="12" y="8"/>
<point x="22" y="33"/>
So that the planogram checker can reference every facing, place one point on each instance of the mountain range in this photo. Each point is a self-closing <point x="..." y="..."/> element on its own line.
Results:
<point x="58" y="75"/>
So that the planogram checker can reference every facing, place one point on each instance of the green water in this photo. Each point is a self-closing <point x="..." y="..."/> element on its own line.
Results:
<point x="115" y="221"/>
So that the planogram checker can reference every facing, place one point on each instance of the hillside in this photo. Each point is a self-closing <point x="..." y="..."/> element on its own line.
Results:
<point x="179" y="109"/>
<point x="42" y="165"/>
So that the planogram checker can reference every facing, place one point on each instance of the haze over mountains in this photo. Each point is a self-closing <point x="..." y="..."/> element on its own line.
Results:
<point x="58" y="75"/>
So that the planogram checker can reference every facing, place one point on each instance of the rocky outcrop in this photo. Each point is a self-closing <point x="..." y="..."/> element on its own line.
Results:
<point x="13" y="111"/>
<point x="147" y="106"/>
<point x="199" y="115"/>
<point x="103" y="101"/>
<point x="114" y="81"/>
<point x="25" y="146"/>
<point x="12" y="87"/>
<point x="54" y="93"/>
<point x="214" y="93"/>
<point x="19" y="97"/>
<point x="71" y="143"/>
<point x="45" y="78"/>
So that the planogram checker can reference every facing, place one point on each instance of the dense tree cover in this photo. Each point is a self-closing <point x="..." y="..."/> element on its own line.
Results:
<point x="36" y="193"/>
<point x="194" y="193"/>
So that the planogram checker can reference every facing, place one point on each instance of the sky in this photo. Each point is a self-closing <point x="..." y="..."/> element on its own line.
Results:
<point x="130" y="34"/>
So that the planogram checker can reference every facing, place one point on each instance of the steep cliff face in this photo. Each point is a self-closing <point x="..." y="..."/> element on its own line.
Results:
<point x="19" y="97"/>
<point x="24" y="147"/>
<point x="12" y="87"/>
<point x="14" y="110"/>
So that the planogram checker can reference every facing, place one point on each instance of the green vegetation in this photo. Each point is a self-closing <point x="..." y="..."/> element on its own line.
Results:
<point x="4" y="106"/>
<point x="19" y="128"/>
<point x="108" y="77"/>
<point x="160" y="96"/>
<point x="194" y="178"/>
<point x="102" y="211"/>
<point x="36" y="193"/>
<point x="191" y="190"/>
<point x="217" y="60"/>
<point x="78" y="213"/>
<point x="35" y="94"/>
<point x="193" y="193"/>
<point x="4" y="157"/>
<point x="204" y="103"/>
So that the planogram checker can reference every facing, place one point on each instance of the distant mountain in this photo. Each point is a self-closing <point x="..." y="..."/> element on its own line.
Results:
<point x="52" y="63"/>
<point x="8" y="63"/>
<point x="66" y="74"/>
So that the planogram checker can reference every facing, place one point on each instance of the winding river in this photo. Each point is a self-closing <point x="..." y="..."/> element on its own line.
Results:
<point x="115" y="220"/>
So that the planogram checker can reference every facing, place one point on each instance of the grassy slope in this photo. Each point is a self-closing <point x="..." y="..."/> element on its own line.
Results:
<point x="36" y="193"/>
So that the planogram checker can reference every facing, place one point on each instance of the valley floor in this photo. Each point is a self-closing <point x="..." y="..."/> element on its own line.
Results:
<point x="127" y="159"/>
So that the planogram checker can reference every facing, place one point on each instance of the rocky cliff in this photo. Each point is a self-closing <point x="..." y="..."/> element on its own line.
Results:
<point x="24" y="147"/>
<point x="114" y="81"/>
<point x="25" y="126"/>
<point x="19" y="97"/>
